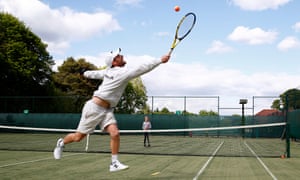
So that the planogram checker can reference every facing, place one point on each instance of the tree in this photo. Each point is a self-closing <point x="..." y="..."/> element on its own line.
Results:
<point x="208" y="113"/>
<point x="25" y="64"/>
<point x="164" y="110"/>
<point x="145" y="110"/>
<point x="69" y="80"/>
<point x="70" y="83"/>
<point x="290" y="97"/>
<point x="134" y="98"/>
<point x="276" y="104"/>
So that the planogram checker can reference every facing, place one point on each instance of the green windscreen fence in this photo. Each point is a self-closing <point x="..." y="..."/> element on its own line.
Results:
<point x="134" y="122"/>
<point x="40" y="120"/>
<point x="170" y="135"/>
<point x="174" y="135"/>
<point x="294" y="121"/>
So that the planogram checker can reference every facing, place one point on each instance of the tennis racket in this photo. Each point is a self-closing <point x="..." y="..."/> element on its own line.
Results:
<point x="184" y="27"/>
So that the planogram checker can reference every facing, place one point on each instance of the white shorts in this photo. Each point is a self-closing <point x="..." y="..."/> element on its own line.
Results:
<point x="93" y="115"/>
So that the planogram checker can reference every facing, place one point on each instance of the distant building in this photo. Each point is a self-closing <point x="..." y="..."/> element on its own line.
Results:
<point x="269" y="112"/>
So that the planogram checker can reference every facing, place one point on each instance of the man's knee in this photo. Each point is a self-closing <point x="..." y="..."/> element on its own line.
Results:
<point x="115" y="134"/>
<point x="113" y="131"/>
<point x="78" y="137"/>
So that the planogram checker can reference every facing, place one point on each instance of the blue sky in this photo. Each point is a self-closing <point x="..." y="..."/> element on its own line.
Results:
<point x="238" y="48"/>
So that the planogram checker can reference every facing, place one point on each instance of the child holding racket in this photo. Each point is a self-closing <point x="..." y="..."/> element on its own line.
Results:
<point x="99" y="109"/>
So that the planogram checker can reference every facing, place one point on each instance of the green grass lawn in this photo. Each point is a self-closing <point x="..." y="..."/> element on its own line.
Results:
<point x="176" y="158"/>
<point x="41" y="165"/>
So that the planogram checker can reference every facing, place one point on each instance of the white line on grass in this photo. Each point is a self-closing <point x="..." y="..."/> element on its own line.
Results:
<point x="208" y="161"/>
<point x="261" y="162"/>
<point x="32" y="161"/>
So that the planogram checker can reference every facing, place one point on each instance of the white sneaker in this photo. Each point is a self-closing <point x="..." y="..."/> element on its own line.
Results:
<point x="58" y="149"/>
<point x="117" y="166"/>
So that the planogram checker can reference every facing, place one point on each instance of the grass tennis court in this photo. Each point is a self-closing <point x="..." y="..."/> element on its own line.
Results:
<point x="30" y="164"/>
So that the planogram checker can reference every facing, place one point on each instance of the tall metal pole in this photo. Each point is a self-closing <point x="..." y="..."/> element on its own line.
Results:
<point x="243" y="102"/>
<point x="287" y="128"/>
<point x="243" y="120"/>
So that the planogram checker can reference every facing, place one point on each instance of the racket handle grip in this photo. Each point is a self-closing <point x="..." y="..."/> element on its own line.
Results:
<point x="170" y="52"/>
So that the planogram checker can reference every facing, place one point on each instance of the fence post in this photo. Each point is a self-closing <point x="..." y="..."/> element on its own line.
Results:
<point x="287" y="128"/>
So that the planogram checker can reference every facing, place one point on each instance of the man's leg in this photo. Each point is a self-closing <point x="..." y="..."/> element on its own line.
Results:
<point x="113" y="130"/>
<point x="71" y="137"/>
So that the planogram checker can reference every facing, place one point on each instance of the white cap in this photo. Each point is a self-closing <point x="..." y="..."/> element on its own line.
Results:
<point x="110" y="57"/>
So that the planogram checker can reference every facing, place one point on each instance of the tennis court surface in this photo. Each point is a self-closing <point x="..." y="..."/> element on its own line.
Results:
<point x="256" y="153"/>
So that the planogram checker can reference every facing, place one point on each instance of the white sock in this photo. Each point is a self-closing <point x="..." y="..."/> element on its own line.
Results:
<point x="114" y="157"/>
<point x="61" y="144"/>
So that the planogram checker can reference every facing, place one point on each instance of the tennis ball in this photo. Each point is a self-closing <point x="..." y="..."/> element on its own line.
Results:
<point x="177" y="8"/>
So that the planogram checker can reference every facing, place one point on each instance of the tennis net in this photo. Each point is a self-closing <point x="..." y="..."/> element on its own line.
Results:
<point x="264" y="140"/>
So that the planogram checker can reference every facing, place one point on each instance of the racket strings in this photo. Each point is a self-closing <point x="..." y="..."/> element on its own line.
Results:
<point x="185" y="26"/>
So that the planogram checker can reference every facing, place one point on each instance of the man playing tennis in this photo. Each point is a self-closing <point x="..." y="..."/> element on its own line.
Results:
<point x="99" y="109"/>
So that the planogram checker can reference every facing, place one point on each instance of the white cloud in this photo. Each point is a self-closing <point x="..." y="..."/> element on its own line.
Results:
<point x="196" y="79"/>
<point x="175" y="79"/>
<point x="162" y="34"/>
<point x="259" y="5"/>
<point x="129" y="2"/>
<point x="98" y="60"/>
<point x="58" y="27"/>
<point x="288" y="43"/>
<point x="229" y="84"/>
<point x="296" y="27"/>
<point x="57" y="47"/>
<point x="253" y="36"/>
<point x="218" y="47"/>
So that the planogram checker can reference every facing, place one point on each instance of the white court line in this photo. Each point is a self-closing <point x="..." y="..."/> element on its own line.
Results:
<point x="208" y="161"/>
<point x="33" y="161"/>
<point x="261" y="162"/>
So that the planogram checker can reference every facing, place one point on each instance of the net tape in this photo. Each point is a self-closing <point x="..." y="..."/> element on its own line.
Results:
<point x="152" y="130"/>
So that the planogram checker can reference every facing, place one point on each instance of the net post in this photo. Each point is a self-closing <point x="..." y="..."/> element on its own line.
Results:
<point x="87" y="142"/>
